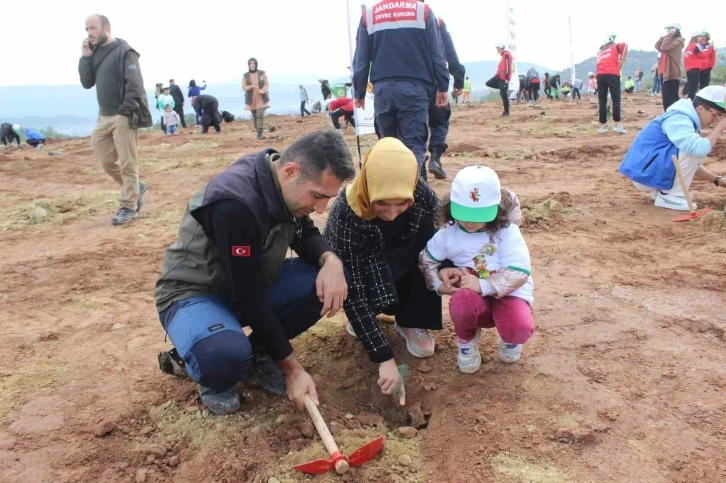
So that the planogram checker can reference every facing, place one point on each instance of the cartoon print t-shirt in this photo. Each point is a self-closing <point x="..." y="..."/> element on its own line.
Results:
<point x="483" y="255"/>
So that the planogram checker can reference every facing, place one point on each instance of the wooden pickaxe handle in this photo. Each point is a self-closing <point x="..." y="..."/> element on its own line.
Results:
<point x="341" y="465"/>
<point x="686" y="191"/>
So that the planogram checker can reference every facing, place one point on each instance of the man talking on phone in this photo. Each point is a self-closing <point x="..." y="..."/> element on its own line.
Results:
<point x="113" y="67"/>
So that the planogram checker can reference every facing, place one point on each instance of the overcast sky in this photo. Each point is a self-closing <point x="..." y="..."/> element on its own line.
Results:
<point x="212" y="40"/>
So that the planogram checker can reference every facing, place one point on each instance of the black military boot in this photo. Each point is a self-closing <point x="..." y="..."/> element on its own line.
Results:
<point x="422" y="169"/>
<point x="435" y="167"/>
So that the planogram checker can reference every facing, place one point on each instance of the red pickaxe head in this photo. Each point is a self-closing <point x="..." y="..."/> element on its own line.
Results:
<point x="340" y="463"/>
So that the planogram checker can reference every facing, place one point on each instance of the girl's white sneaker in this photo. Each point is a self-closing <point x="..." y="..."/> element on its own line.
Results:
<point x="469" y="358"/>
<point x="509" y="353"/>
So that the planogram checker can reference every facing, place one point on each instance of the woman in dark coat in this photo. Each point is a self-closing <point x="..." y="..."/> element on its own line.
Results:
<point x="208" y="107"/>
<point x="378" y="226"/>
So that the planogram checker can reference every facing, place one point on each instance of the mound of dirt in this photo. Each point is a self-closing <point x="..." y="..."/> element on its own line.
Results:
<point x="586" y="151"/>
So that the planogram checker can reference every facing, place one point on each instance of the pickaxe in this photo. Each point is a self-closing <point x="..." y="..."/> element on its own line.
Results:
<point x="337" y="460"/>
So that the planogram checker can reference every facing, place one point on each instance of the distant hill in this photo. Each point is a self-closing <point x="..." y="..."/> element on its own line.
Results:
<point x="72" y="110"/>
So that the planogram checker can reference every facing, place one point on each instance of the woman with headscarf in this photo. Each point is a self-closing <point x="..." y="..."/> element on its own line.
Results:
<point x="194" y="92"/>
<point x="257" y="95"/>
<point x="671" y="46"/>
<point x="378" y="226"/>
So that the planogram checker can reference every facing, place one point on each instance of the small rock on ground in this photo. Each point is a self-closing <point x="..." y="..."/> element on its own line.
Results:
<point x="404" y="460"/>
<point x="576" y="436"/>
<point x="272" y="479"/>
<point x="424" y="367"/>
<point x="416" y="416"/>
<point x="407" y="432"/>
<point x="336" y="427"/>
<point x="141" y="475"/>
<point x="307" y="429"/>
<point x="369" y="419"/>
<point x="38" y="216"/>
<point x="104" y="428"/>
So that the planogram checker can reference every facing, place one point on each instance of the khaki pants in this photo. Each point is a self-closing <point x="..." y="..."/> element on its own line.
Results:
<point x="114" y="143"/>
<point x="689" y="165"/>
<point x="258" y="115"/>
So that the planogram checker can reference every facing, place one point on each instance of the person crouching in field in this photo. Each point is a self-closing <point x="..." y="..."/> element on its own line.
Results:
<point x="648" y="162"/>
<point x="490" y="285"/>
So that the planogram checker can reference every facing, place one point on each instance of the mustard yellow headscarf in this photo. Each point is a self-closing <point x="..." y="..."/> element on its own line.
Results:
<point x="390" y="171"/>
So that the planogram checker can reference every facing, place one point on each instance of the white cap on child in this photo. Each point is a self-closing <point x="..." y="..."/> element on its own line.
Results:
<point x="475" y="195"/>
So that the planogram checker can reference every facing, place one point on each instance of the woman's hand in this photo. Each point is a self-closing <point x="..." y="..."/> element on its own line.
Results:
<point x="391" y="381"/>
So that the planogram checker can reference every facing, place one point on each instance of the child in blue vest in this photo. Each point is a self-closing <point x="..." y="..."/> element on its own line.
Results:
<point x="648" y="162"/>
<point x="491" y="285"/>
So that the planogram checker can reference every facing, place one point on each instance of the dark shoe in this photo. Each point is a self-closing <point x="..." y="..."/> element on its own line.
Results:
<point x="260" y="135"/>
<point x="171" y="363"/>
<point x="220" y="403"/>
<point x="123" y="216"/>
<point x="504" y="114"/>
<point x="268" y="375"/>
<point x="435" y="167"/>
<point x="142" y="190"/>
<point x="422" y="171"/>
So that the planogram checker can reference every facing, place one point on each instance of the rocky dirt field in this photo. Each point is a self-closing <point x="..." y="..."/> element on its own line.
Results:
<point x="624" y="380"/>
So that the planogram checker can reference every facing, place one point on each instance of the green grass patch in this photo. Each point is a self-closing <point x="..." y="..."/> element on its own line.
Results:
<point x="515" y="469"/>
<point x="28" y="380"/>
<point x="57" y="210"/>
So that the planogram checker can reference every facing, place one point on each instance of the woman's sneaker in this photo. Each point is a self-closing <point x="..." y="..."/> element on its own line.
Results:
<point x="418" y="341"/>
<point x="509" y="353"/>
<point x="469" y="358"/>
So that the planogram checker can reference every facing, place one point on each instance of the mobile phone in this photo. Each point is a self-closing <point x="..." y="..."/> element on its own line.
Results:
<point x="90" y="45"/>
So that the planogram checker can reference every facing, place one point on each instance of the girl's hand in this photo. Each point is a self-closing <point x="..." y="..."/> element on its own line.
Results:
<point x="471" y="282"/>
<point x="390" y="380"/>
<point x="451" y="277"/>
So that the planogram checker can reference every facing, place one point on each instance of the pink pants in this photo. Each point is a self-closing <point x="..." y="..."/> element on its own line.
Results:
<point x="511" y="316"/>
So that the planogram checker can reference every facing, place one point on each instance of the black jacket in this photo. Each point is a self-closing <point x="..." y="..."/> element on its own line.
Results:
<point x="7" y="135"/>
<point x="457" y="70"/>
<point x="209" y="109"/>
<point x="177" y="95"/>
<point x="360" y="245"/>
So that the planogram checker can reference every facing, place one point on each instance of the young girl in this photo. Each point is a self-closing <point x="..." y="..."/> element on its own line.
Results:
<point x="171" y="119"/>
<point x="591" y="86"/>
<point x="491" y="285"/>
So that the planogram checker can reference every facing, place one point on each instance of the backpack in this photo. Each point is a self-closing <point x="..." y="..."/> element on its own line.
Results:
<point x="227" y="116"/>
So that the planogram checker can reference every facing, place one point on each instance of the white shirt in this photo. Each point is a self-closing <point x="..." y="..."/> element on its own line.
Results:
<point x="479" y="252"/>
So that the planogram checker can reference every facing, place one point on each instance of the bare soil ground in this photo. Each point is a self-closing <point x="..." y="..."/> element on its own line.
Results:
<point x="624" y="380"/>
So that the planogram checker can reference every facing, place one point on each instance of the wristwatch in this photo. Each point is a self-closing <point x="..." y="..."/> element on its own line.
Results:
<point x="717" y="180"/>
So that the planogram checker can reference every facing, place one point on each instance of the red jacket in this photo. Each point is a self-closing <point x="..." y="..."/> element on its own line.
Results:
<point x="346" y="103"/>
<point x="693" y="58"/>
<point x="504" y="71"/>
<point x="708" y="57"/>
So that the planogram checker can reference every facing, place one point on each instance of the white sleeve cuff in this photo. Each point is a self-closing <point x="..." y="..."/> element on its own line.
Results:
<point x="487" y="288"/>
<point x="438" y="283"/>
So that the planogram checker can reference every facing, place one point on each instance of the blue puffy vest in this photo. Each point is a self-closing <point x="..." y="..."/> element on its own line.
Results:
<point x="649" y="159"/>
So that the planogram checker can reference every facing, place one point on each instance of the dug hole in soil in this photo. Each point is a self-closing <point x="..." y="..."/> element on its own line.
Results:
<point x="624" y="379"/>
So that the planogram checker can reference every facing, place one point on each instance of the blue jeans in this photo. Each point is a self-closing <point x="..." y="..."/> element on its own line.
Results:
<point x="656" y="84"/>
<point x="402" y="112"/>
<point x="210" y="339"/>
<point x="171" y="129"/>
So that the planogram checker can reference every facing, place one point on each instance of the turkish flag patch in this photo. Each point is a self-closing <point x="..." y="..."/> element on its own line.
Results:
<point x="240" y="251"/>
